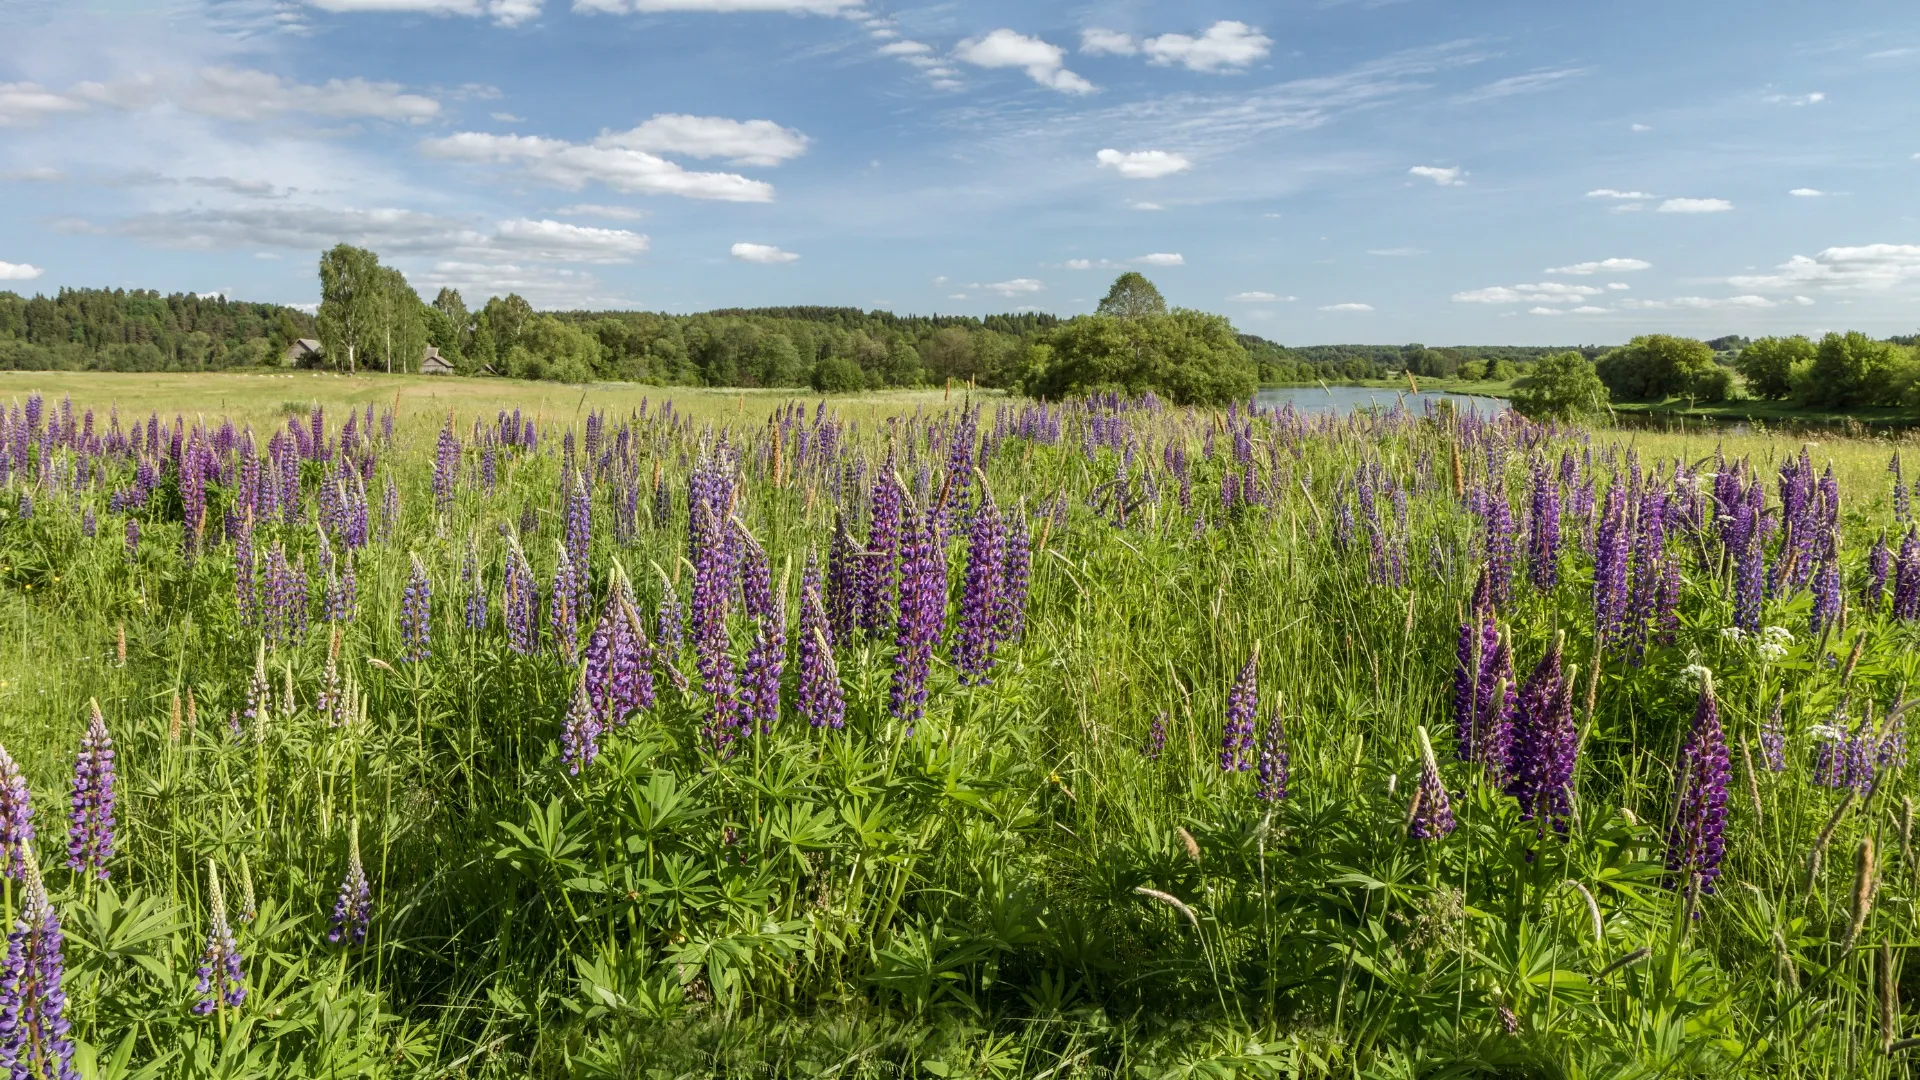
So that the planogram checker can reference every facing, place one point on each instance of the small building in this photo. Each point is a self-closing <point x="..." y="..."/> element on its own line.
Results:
<point x="302" y="353"/>
<point x="432" y="363"/>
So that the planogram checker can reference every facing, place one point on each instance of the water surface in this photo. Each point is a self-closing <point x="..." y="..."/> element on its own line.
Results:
<point x="1346" y="399"/>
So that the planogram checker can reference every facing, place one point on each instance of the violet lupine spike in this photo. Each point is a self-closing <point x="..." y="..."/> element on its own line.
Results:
<point x="1156" y="737"/>
<point x="619" y="669"/>
<point x="90" y="836"/>
<point x="819" y="695"/>
<point x="981" y="595"/>
<point x="222" y="976"/>
<point x="353" y="908"/>
<point x="766" y="658"/>
<point x="1236" y="740"/>
<point x="473" y="575"/>
<point x="16" y="819"/>
<point x="1749" y="579"/>
<point x="1010" y="622"/>
<point x="1695" y="844"/>
<point x="580" y="732"/>
<point x="446" y="464"/>
<point x="1544" y="744"/>
<point x="579" y="534"/>
<point x="1610" y="563"/>
<point x="1773" y="736"/>
<point x="416" y="614"/>
<point x="1879" y="561"/>
<point x="843" y="590"/>
<point x="563" y="621"/>
<point x="1431" y="816"/>
<point x="880" y="580"/>
<point x="1906" y="577"/>
<point x="1276" y="760"/>
<point x="1543" y="534"/>
<point x="1500" y="541"/>
<point x="1827" y="597"/>
<point x="923" y="610"/>
<point x="33" y="999"/>
<point x="520" y="603"/>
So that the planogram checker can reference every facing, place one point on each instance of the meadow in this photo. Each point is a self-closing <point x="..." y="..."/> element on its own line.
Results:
<point x="448" y="728"/>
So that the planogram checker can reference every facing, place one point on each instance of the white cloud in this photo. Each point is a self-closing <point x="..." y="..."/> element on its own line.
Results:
<point x="1258" y="297"/>
<point x="741" y="142"/>
<point x="765" y="254"/>
<point x="26" y="103"/>
<point x="1041" y="61"/>
<point x="1640" y="127"/>
<point x="1694" y="206"/>
<point x="1445" y="177"/>
<point x="386" y="230"/>
<point x="38" y="175"/>
<point x="1518" y="84"/>
<point x="1611" y="193"/>
<point x="1702" y="303"/>
<point x="547" y="287"/>
<point x="561" y="242"/>
<point x="226" y="93"/>
<point x="1347" y="307"/>
<point x="617" y="213"/>
<point x="1545" y="292"/>
<point x="1016" y="287"/>
<point x="1226" y="44"/>
<point x="504" y="12"/>
<point x="1807" y="192"/>
<point x="1602" y="265"/>
<point x="1143" y="164"/>
<point x="1397" y="252"/>
<point x="905" y="48"/>
<point x="1162" y="258"/>
<point x="1868" y="267"/>
<point x="19" y="271"/>
<point x="1079" y="264"/>
<point x="572" y="166"/>
<point x="791" y="7"/>
<point x="1814" y="98"/>
<point x="1108" y="42"/>
<point x="1137" y="205"/>
<point x="1618" y="286"/>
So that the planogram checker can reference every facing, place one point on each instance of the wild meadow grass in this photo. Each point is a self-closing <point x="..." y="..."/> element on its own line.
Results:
<point x="1044" y="871"/>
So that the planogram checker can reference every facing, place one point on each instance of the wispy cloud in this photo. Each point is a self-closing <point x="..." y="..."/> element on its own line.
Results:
<point x="1814" y="98"/>
<point x="1599" y="266"/>
<point x="1694" y="206"/>
<point x="764" y="254"/>
<point x="1143" y="164"/>
<point x="1545" y="292"/>
<point x="1866" y="267"/>
<point x="1348" y="307"/>
<point x="1807" y="192"/>
<point x="1448" y="176"/>
<point x="1531" y="82"/>
<point x="1258" y="297"/>
<point x="1615" y="193"/>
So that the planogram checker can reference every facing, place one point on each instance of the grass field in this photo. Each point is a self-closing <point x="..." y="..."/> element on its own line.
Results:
<point x="592" y="850"/>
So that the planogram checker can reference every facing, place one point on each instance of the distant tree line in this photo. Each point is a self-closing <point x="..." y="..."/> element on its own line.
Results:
<point x="1840" y="371"/>
<point x="142" y="330"/>
<point x="1281" y="365"/>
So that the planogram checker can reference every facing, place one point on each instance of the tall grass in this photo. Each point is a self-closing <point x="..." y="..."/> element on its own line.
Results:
<point x="1018" y="886"/>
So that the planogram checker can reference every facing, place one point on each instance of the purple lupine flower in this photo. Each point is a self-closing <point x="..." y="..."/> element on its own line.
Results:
<point x="619" y="669"/>
<point x="1773" y="737"/>
<point x="1826" y="595"/>
<point x="1610" y="563"/>
<point x="1236" y="743"/>
<point x="766" y="658"/>
<point x="90" y="842"/>
<point x="1749" y="581"/>
<point x="819" y="695"/>
<point x="33" y="1002"/>
<point x="89" y="525"/>
<point x="16" y="819"/>
<point x="222" y="978"/>
<point x="1431" y="816"/>
<point x="473" y="575"/>
<point x="1500" y="541"/>
<point x="1906" y="577"/>
<point x="353" y="909"/>
<point x="1879" y="559"/>
<point x="579" y="539"/>
<point x="1483" y="730"/>
<point x="923" y="611"/>
<point x="1010" y="622"/>
<point x="580" y="732"/>
<point x="446" y="464"/>
<point x="1156" y="737"/>
<point x="1695" y="843"/>
<point x="879" y="580"/>
<point x="26" y="505"/>
<point x="981" y="590"/>
<point x="1543" y="533"/>
<point x="1544" y="743"/>
<point x="416" y="614"/>
<point x="563" y="621"/>
<point x="520" y="603"/>
<point x="1275" y="765"/>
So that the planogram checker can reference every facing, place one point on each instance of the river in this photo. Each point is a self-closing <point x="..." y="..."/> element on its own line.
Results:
<point x="1345" y="399"/>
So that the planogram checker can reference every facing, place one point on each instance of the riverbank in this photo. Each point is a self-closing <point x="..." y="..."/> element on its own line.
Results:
<point x="1779" y="415"/>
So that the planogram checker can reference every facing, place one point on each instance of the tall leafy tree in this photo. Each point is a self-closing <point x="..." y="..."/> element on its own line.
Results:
<point x="1770" y="364"/>
<point x="350" y="284"/>
<point x="1133" y="297"/>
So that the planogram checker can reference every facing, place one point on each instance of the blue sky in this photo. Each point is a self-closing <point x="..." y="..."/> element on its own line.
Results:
<point x="1446" y="172"/>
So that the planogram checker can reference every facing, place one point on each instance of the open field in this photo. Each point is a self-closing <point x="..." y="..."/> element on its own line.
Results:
<point x="1083" y="740"/>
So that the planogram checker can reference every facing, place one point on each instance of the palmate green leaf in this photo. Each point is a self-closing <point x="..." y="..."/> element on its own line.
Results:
<point x="116" y="930"/>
